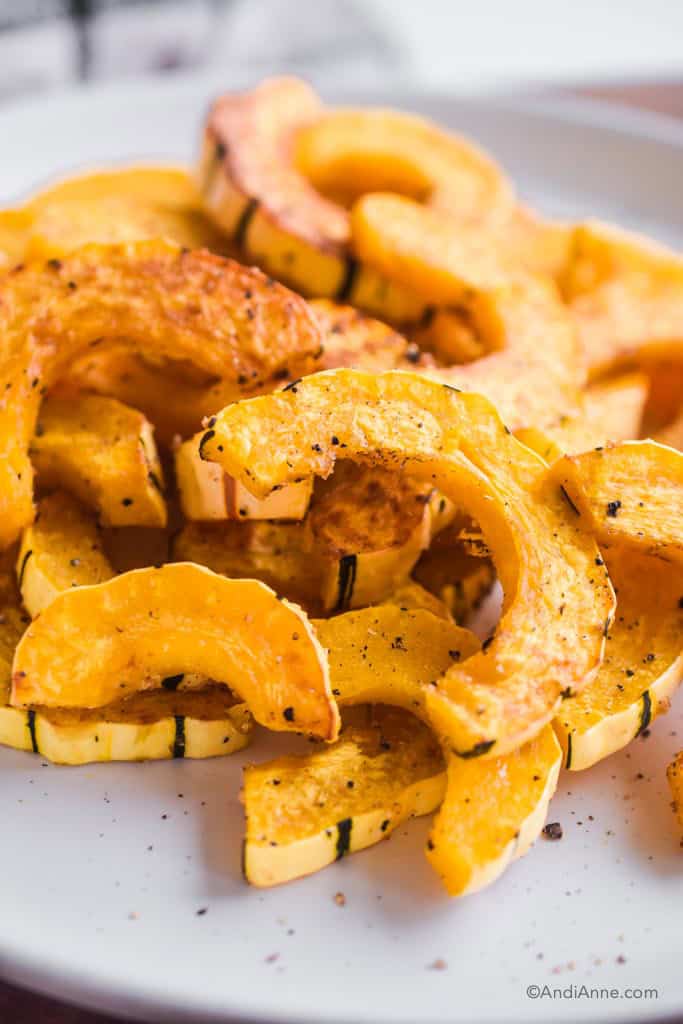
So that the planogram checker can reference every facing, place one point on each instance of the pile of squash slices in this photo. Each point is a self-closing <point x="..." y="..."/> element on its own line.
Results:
<point x="270" y="435"/>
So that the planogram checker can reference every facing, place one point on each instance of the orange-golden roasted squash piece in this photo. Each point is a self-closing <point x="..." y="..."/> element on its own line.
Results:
<point x="533" y="367"/>
<point x="643" y="662"/>
<point x="104" y="453"/>
<point x="369" y="527"/>
<point x="363" y="534"/>
<point x="384" y="654"/>
<point x="630" y="493"/>
<point x="61" y="226"/>
<point x="455" y="571"/>
<point x="611" y="411"/>
<point x="207" y="493"/>
<point x="423" y="250"/>
<point x="346" y="153"/>
<point x="206" y="722"/>
<point x="303" y="813"/>
<point x="279" y="554"/>
<point x="61" y="549"/>
<point x="167" y="302"/>
<point x="492" y="812"/>
<point x="626" y="294"/>
<point x="171" y="184"/>
<point x="175" y="406"/>
<point x="93" y="645"/>
<point x="256" y="194"/>
<point x="457" y="443"/>
<point x="353" y="339"/>
<point x="674" y="774"/>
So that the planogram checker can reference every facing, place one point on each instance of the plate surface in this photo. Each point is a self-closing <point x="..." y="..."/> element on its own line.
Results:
<point x="103" y="869"/>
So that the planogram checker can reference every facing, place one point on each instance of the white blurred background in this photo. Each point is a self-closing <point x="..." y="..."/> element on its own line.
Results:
<point x="449" y="44"/>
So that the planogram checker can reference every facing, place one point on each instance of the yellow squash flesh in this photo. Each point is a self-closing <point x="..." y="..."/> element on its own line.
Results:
<point x="166" y="302"/>
<point x="456" y="442"/>
<point x="492" y="811"/>
<point x="643" y="662"/>
<point x="207" y="493"/>
<point x="104" y="453"/>
<point x="630" y="493"/>
<point x="60" y="550"/>
<point x="94" y="645"/>
<point x="306" y="812"/>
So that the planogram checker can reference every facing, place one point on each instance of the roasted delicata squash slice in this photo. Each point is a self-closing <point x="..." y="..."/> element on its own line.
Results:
<point x="369" y="526"/>
<point x="423" y="250"/>
<point x="166" y="302"/>
<point x="626" y="294"/>
<point x="305" y="812"/>
<point x="610" y="412"/>
<point x="674" y="774"/>
<point x="356" y="340"/>
<point x="206" y="492"/>
<point x="392" y="655"/>
<point x="630" y="493"/>
<point x="61" y="549"/>
<point x="492" y="812"/>
<point x="103" y="452"/>
<point x="175" y="406"/>
<point x="279" y="553"/>
<point x="208" y="722"/>
<point x="456" y="572"/>
<point x="643" y="662"/>
<point x="94" y="645"/>
<point x="457" y="443"/>
<point x="346" y="153"/>
<point x="170" y="184"/>
<point x="255" y="192"/>
<point x="523" y="343"/>
<point x="60" y="227"/>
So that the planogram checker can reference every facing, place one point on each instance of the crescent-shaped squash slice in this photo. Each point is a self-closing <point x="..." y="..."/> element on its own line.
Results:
<point x="94" y="645"/>
<point x="643" y="662"/>
<point x="174" y="405"/>
<point x="171" y="184"/>
<point x="611" y="411"/>
<point x="674" y="774"/>
<point x="531" y="363"/>
<point x="354" y="339"/>
<point x="348" y="152"/>
<point x="370" y="527"/>
<point x="492" y="810"/>
<point x="255" y="192"/>
<point x="626" y="294"/>
<point x="492" y="813"/>
<point x="224" y="319"/>
<point x="303" y="813"/>
<point x="458" y="444"/>
<point x="630" y="493"/>
<point x="61" y="549"/>
<point x="280" y="554"/>
<point x="206" y="492"/>
<point x="103" y="452"/>
<point x="207" y="722"/>
<point x="63" y="225"/>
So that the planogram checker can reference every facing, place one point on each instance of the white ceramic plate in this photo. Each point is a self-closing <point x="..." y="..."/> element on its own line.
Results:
<point x="103" y="869"/>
